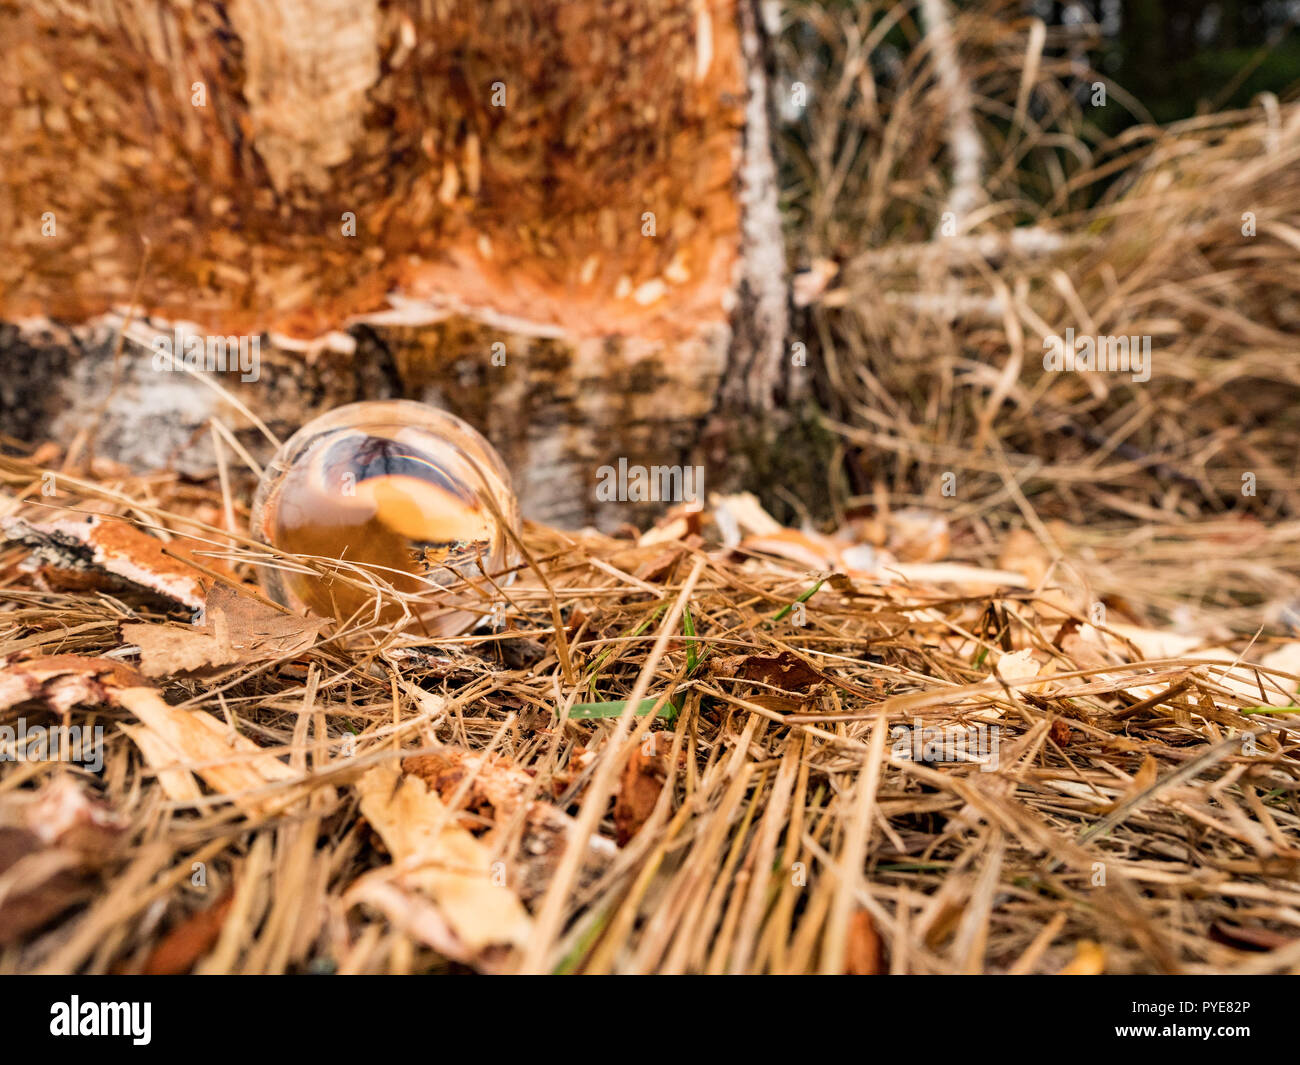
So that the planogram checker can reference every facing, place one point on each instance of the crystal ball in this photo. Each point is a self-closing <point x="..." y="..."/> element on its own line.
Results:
<point x="411" y="500"/>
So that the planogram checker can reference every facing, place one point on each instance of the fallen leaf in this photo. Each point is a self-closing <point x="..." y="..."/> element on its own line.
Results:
<point x="417" y="917"/>
<point x="495" y="790"/>
<point x="1089" y="960"/>
<point x="863" y="952"/>
<point x="1020" y="666"/>
<point x="784" y="670"/>
<point x="680" y="523"/>
<point x="916" y="535"/>
<point x="742" y="514"/>
<point x="642" y="781"/>
<point x="810" y="550"/>
<point x="1142" y="781"/>
<point x="780" y="703"/>
<point x="657" y="567"/>
<point x="1244" y="938"/>
<point x="238" y="630"/>
<point x="437" y="861"/>
<point x="178" y="784"/>
<point x="166" y="650"/>
<point x="491" y="803"/>
<point x="1087" y="648"/>
<point x="230" y="764"/>
<point x="189" y="941"/>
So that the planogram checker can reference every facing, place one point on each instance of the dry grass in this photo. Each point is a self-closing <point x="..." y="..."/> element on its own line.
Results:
<point x="789" y="834"/>
<point x="930" y="345"/>
<point x="372" y="803"/>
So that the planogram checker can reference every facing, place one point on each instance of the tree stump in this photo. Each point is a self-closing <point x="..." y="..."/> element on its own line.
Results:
<point x="556" y="218"/>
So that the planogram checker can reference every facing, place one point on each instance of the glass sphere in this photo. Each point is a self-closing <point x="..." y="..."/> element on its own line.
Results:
<point x="405" y="492"/>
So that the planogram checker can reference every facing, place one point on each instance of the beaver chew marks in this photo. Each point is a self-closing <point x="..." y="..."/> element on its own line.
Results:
<point x="569" y="168"/>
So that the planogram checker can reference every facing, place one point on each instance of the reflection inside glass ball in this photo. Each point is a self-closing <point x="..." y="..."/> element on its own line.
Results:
<point x="405" y="492"/>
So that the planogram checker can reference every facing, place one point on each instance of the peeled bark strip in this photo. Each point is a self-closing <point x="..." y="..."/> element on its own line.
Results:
<point x="589" y="184"/>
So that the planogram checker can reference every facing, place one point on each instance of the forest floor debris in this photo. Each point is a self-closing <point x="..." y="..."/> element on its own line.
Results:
<point x="1001" y="760"/>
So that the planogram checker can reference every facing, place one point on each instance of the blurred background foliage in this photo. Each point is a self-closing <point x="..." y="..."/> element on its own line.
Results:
<point x="1187" y="57"/>
<point x="956" y="191"/>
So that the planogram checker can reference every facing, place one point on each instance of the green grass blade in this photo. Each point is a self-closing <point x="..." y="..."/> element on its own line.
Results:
<point x="688" y="627"/>
<point x="588" y="711"/>
<point x="802" y="599"/>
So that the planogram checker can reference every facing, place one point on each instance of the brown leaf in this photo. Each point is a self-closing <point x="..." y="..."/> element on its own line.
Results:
<point x="166" y="650"/>
<point x="660" y="565"/>
<point x="258" y="628"/>
<point x="169" y="739"/>
<point x="1143" y="780"/>
<point x="238" y="630"/>
<point x="679" y="523"/>
<point x="1244" y="938"/>
<point x="1089" y="960"/>
<point x="229" y="763"/>
<point x="435" y="863"/>
<point x="811" y="550"/>
<point x="785" y="670"/>
<point x="864" y="955"/>
<point x="843" y="584"/>
<point x="497" y="787"/>
<point x="1086" y="648"/>
<point x="577" y="618"/>
<point x="492" y="802"/>
<point x="643" y="780"/>
<point x="189" y="941"/>
<point x="782" y="704"/>
<point x="1068" y="628"/>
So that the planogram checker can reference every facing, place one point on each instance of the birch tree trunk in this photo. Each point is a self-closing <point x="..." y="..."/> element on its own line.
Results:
<point x="557" y="218"/>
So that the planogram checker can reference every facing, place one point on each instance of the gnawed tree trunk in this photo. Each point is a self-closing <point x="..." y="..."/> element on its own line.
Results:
<point x="557" y="218"/>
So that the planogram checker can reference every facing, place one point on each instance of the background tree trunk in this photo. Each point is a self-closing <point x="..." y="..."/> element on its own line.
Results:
<point x="557" y="218"/>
